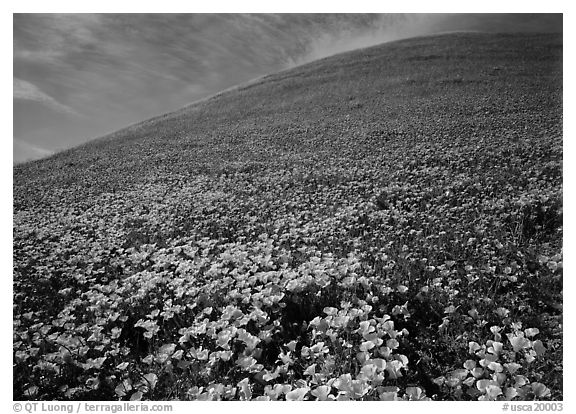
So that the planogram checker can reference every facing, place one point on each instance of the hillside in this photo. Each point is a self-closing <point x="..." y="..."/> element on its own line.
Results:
<point x="380" y="224"/>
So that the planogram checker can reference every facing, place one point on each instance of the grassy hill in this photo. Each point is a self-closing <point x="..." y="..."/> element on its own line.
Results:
<point x="381" y="224"/>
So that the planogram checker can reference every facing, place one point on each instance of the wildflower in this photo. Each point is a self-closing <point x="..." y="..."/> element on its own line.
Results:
<point x="298" y="394"/>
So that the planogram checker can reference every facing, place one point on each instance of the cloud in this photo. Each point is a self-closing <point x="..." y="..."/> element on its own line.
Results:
<point x="49" y="37"/>
<point x="29" y="92"/>
<point x="24" y="151"/>
<point x="343" y="33"/>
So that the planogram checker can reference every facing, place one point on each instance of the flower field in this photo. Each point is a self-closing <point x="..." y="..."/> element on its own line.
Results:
<point x="384" y="224"/>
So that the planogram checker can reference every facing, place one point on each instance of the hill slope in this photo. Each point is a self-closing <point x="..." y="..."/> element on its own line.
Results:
<point x="390" y="213"/>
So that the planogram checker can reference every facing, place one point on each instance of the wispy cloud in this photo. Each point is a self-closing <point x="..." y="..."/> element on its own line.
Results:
<point x="342" y="33"/>
<point x="50" y="37"/>
<point x="24" y="151"/>
<point x="27" y="91"/>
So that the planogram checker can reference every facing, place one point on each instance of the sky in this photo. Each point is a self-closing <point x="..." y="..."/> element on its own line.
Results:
<point x="81" y="76"/>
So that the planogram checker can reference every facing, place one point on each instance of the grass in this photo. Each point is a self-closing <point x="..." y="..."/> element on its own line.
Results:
<point x="382" y="224"/>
